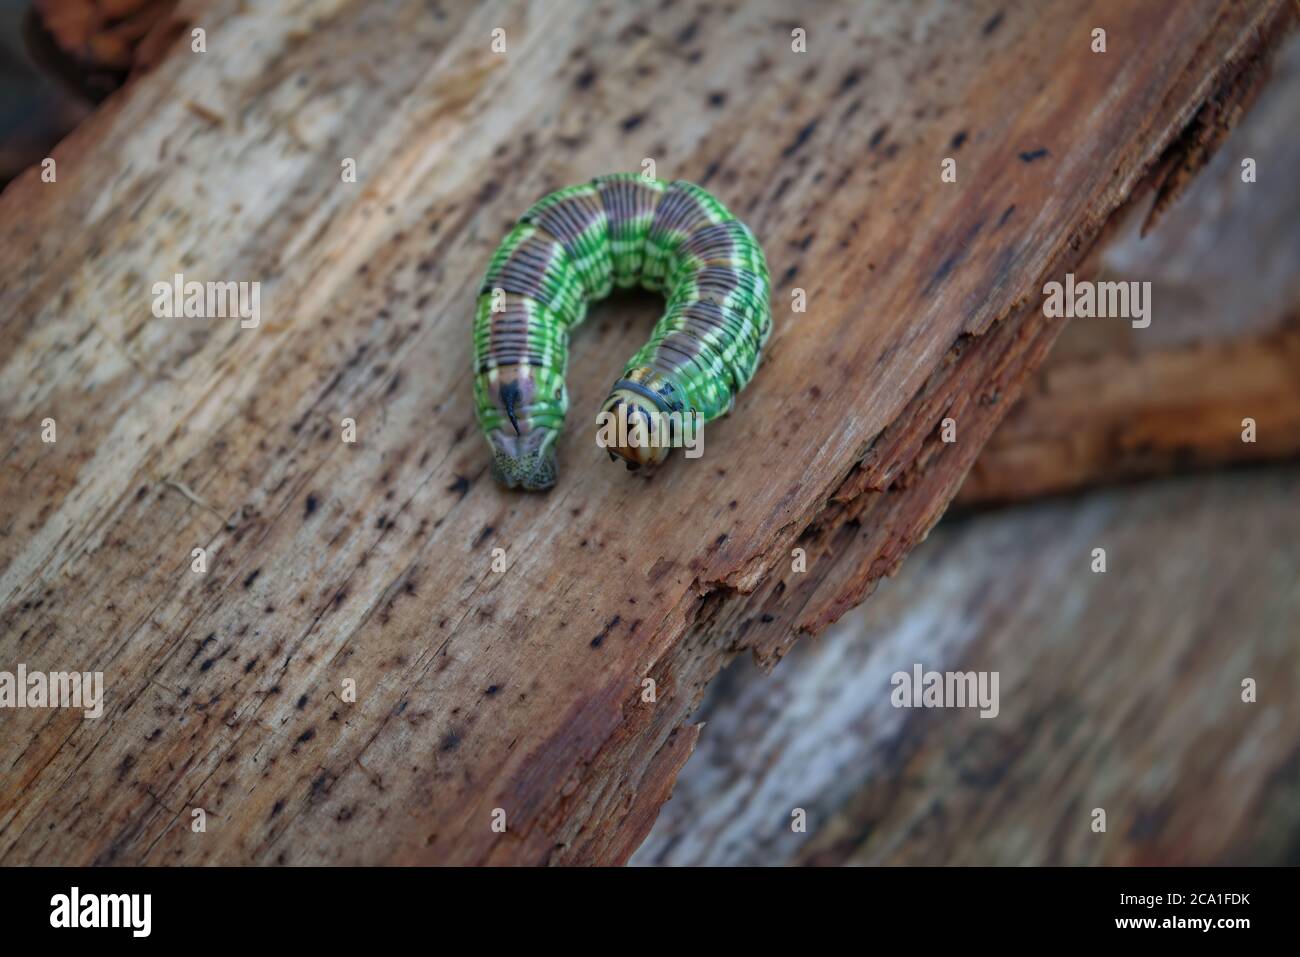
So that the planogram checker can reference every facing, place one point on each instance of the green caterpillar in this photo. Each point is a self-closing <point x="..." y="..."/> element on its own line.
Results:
<point x="571" y="248"/>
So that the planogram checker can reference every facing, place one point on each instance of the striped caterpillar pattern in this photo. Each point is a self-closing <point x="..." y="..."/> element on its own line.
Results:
<point x="571" y="248"/>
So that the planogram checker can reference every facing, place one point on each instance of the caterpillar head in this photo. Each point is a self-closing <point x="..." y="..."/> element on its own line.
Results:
<point x="636" y="423"/>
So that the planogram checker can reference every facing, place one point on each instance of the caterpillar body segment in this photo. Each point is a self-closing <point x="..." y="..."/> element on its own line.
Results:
<point x="573" y="247"/>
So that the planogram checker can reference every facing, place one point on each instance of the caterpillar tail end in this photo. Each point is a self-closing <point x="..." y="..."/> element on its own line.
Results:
<point x="524" y="461"/>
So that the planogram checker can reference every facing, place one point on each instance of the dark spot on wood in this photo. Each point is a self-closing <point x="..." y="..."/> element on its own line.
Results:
<point x="492" y="689"/>
<point x="460" y="486"/>
<point x="1006" y="214"/>
<point x="945" y="268"/>
<point x="799" y="140"/>
<point x="450" y="741"/>
<point x="1030" y="155"/>
<point x="320" y="786"/>
<point x="302" y="702"/>
<point x="585" y="79"/>
<point x="952" y="259"/>
<point x="279" y="806"/>
<point x="632" y="122"/>
<point x="250" y="665"/>
<point x="850" y="81"/>
<point x="993" y="23"/>
<point x="212" y="636"/>
<point x="311" y="505"/>
<point x="878" y="137"/>
<point x="125" y="766"/>
<point x="484" y="535"/>
<point x="958" y="139"/>
<point x="604" y="632"/>
<point x="766" y="618"/>
<point x="306" y="736"/>
<point x="252" y="577"/>
<point x="717" y="98"/>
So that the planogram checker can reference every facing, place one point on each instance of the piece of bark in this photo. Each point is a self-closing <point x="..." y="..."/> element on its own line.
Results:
<point x="516" y="696"/>
<point x="1120" y="690"/>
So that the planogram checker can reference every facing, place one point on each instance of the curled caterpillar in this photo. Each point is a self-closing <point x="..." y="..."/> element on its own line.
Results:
<point x="571" y="248"/>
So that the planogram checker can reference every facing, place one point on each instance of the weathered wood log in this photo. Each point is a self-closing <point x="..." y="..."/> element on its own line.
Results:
<point x="38" y="112"/>
<point x="60" y="57"/>
<point x="513" y="697"/>
<point x="113" y="35"/>
<point x="1119" y="690"/>
<point x="1115" y="402"/>
<point x="1115" y="416"/>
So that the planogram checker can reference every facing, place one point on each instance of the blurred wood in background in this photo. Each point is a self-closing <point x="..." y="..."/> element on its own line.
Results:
<point x="119" y="36"/>
<point x="60" y="57"/>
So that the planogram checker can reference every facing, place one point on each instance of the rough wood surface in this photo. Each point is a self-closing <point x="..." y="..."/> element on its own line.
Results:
<point x="1116" y="402"/>
<point x="372" y="561"/>
<point x="1119" y="690"/>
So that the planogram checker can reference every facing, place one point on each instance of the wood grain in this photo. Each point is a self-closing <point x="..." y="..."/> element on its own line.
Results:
<point x="371" y="561"/>
<point x="1119" y="690"/>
